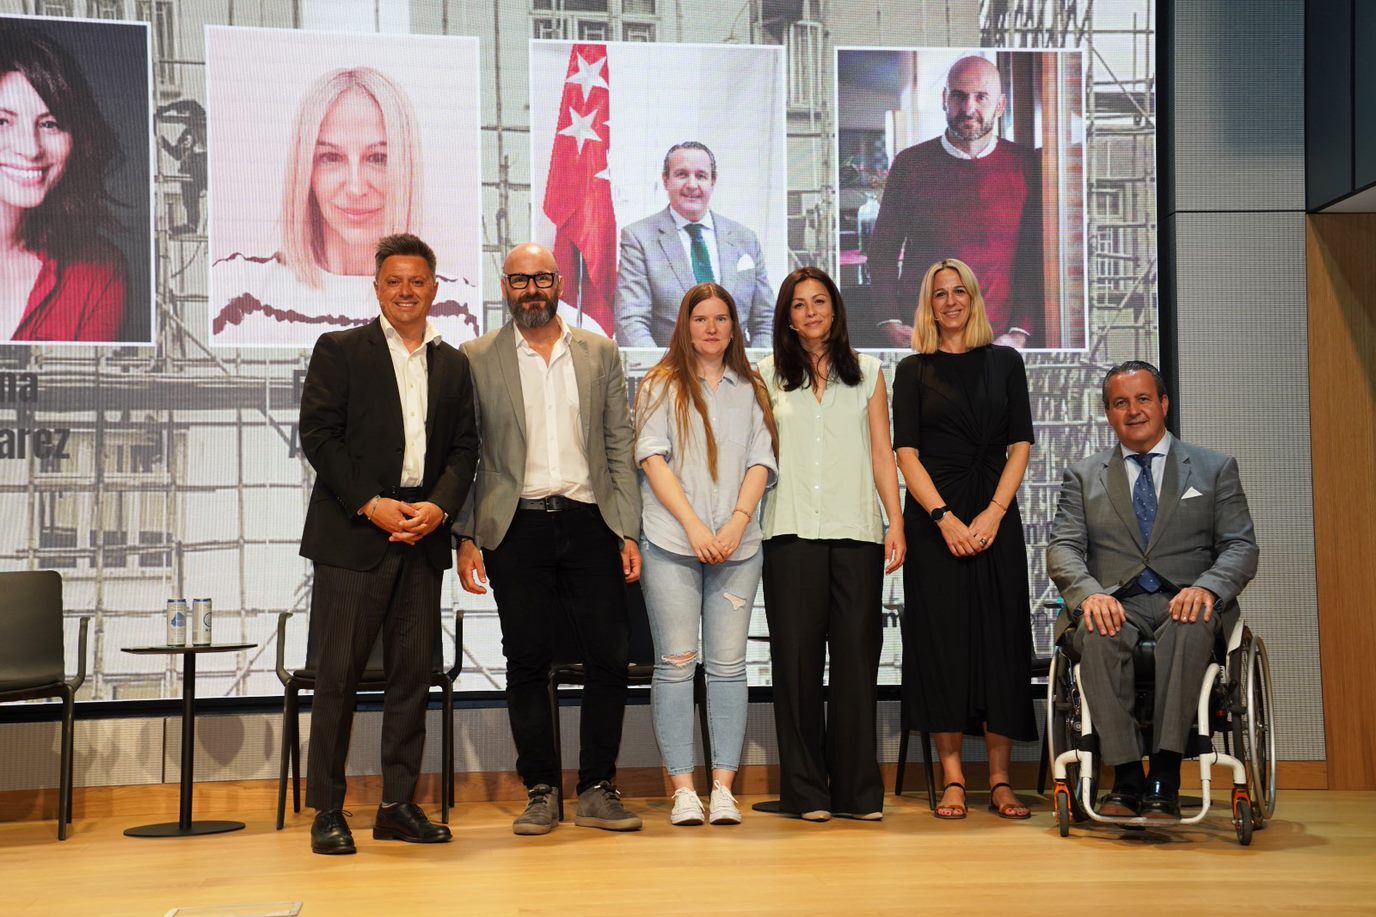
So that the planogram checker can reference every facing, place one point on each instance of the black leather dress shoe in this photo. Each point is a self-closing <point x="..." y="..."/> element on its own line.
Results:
<point x="1121" y="804"/>
<point x="1161" y="802"/>
<point x="330" y="834"/>
<point x="406" y="822"/>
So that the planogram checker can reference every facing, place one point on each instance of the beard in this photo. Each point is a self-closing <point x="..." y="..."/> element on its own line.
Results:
<point x="979" y="131"/>
<point x="524" y="314"/>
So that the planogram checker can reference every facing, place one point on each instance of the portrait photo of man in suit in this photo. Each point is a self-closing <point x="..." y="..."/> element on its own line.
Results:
<point x="1152" y="538"/>
<point x="687" y="243"/>
<point x="387" y="424"/>
<point x="553" y="521"/>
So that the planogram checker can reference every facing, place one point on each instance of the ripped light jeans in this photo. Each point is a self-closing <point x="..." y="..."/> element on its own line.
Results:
<point x="682" y="593"/>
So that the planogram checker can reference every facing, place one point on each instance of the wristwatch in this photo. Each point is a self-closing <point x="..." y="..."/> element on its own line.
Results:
<point x="939" y="512"/>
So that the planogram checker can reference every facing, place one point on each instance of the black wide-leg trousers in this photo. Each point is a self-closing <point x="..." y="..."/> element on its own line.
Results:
<point x="820" y="595"/>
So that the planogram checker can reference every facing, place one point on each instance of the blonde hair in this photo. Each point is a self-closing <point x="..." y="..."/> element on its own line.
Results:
<point x="302" y="238"/>
<point x="978" y="331"/>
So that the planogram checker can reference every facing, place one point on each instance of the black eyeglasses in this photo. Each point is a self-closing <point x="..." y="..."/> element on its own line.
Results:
<point x="543" y="280"/>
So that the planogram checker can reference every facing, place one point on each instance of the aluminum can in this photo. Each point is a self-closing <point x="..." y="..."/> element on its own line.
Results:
<point x="200" y="622"/>
<point x="176" y="622"/>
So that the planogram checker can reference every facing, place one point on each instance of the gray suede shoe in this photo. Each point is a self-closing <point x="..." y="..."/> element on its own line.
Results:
<point x="542" y="811"/>
<point x="599" y="806"/>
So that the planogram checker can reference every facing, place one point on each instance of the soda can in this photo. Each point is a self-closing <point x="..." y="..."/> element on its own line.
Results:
<point x="176" y="622"/>
<point x="200" y="622"/>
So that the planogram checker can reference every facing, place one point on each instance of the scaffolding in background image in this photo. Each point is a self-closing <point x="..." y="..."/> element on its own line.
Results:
<point x="185" y="477"/>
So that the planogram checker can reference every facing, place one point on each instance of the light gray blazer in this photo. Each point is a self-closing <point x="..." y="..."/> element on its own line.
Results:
<point x="1204" y="540"/>
<point x="653" y="273"/>
<point x="501" y="416"/>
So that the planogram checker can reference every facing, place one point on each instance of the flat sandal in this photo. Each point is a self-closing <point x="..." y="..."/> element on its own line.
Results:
<point x="1009" y="811"/>
<point x="958" y="811"/>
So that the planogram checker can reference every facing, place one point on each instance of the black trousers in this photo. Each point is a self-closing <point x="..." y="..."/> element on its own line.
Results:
<point x="558" y="576"/>
<point x="818" y="595"/>
<point x="401" y="598"/>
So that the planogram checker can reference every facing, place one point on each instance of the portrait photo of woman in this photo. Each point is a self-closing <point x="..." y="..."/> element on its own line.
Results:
<point x="64" y="275"/>
<point x="353" y="170"/>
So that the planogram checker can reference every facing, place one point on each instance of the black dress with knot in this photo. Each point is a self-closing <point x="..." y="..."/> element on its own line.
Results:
<point x="967" y="630"/>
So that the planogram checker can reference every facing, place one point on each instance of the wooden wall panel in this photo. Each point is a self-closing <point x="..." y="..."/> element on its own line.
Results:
<point x="1341" y="258"/>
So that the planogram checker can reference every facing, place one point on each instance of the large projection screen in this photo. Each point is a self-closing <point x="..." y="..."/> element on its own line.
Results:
<point x="148" y="445"/>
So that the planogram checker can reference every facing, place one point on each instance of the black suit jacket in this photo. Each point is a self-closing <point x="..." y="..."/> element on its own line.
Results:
<point x="352" y="434"/>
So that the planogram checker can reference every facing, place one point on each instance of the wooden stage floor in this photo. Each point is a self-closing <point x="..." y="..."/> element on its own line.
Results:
<point x="1319" y="855"/>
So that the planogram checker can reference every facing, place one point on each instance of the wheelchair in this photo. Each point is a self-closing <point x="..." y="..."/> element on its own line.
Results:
<point x="1235" y="700"/>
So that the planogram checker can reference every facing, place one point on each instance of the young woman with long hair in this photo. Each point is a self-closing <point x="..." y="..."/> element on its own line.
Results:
<point x="705" y="441"/>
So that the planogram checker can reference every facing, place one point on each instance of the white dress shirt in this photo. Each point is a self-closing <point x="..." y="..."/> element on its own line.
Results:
<point x="709" y="238"/>
<point x="1158" y="466"/>
<point x="412" y="370"/>
<point x="556" y="456"/>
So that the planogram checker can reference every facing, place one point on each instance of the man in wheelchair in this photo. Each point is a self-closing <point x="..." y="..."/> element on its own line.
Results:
<point x="1151" y="537"/>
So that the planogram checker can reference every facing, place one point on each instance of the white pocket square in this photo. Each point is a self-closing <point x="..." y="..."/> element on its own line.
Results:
<point x="745" y="263"/>
<point x="1190" y="493"/>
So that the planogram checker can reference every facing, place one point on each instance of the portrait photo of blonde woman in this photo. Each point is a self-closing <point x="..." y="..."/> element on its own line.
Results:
<point x="363" y="136"/>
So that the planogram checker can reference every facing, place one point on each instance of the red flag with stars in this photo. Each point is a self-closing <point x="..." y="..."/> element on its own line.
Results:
<point x="578" y="196"/>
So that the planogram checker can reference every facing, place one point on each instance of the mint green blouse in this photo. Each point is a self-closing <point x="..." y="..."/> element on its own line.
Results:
<point x="825" y="487"/>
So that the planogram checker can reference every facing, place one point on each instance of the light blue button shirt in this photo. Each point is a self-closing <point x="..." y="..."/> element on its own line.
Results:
<point x="742" y="442"/>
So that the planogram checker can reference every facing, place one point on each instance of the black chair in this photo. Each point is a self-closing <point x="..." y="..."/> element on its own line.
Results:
<point x="567" y="673"/>
<point x="374" y="681"/>
<point x="32" y="660"/>
<point x="1041" y="667"/>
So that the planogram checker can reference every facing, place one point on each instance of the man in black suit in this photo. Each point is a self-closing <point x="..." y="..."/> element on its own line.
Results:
<point x="387" y="423"/>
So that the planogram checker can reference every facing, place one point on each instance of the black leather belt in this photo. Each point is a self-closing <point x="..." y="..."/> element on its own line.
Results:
<point x="555" y="504"/>
<point x="405" y="494"/>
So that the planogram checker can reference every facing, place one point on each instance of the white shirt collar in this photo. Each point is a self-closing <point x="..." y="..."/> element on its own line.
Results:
<point x="958" y="153"/>
<point x="431" y="333"/>
<point x="681" y="221"/>
<point x="565" y="335"/>
<point x="1162" y="447"/>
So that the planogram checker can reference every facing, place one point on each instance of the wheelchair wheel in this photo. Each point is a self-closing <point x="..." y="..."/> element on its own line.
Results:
<point x="1065" y="732"/>
<point x="1243" y="821"/>
<point x="1253" y="736"/>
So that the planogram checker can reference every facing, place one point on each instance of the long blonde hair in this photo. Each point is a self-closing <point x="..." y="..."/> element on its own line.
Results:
<point x="978" y="331"/>
<point x="302" y="237"/>
<point x="677" y="370"/>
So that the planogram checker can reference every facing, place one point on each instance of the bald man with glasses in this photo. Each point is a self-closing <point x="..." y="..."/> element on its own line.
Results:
<point x="552" y="526"/>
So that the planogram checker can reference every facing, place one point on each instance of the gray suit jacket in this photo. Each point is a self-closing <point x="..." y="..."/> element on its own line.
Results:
<point x="501" y="415"/>
<point x="1205" y="540"/>
<point x="653" y="273"/>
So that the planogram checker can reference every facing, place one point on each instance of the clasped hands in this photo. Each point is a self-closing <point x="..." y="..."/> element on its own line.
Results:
<point x="717" y="547"/>
<point x="1104" y="614"/>
<point x="968" y="540"/>
<point x="405" y="522"/>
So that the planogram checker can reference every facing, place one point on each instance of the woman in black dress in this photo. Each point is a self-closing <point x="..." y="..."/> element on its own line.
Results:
<point x="963" y="432"/>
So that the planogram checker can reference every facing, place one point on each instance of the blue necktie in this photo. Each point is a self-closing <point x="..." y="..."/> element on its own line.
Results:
<point x="1144" y="508"/>
<point x="702" y="262"/>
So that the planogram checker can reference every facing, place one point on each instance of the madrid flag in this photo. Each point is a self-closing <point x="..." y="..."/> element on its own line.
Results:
<point x="578" y="198"/>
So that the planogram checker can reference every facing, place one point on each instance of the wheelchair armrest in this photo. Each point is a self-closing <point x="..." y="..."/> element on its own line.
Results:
<point x="80" y="677"/>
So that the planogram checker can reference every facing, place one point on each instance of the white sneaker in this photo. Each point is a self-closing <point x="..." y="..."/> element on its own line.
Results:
<point x="687" y="808"/>
<point x="725" y="810"/>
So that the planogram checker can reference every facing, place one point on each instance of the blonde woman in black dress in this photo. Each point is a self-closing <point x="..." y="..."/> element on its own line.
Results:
<point x="963" y="434"/>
